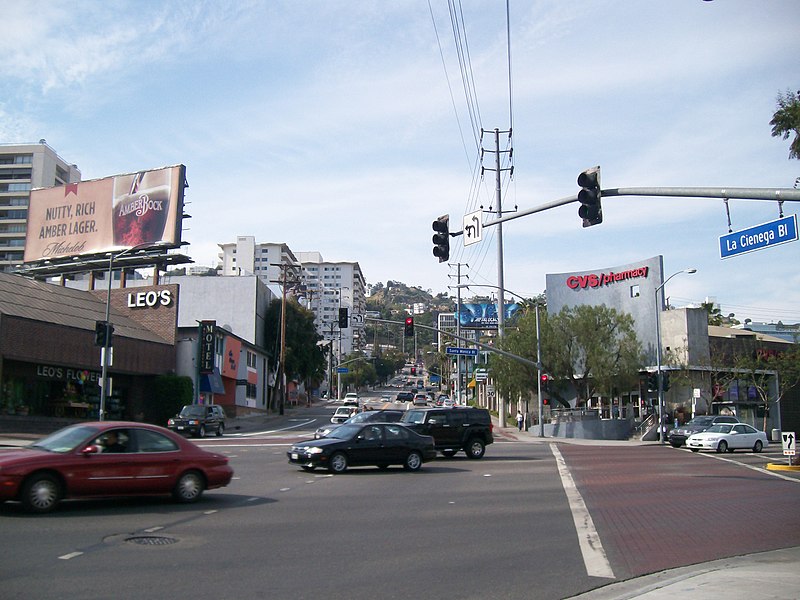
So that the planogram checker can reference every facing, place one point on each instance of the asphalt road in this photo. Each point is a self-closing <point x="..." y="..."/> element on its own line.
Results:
<point x="500" y="527"/>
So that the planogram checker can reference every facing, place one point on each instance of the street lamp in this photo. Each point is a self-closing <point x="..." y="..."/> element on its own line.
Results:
<point x="659" y="381"/>
<point x="107" y="341"/>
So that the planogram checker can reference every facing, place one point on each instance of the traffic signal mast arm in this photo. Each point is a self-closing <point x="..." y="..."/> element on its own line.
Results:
<point x="463" y="339"/>
<point x="773" y="194"/>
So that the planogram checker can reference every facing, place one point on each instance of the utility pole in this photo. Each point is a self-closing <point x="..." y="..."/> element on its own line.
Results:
<point x="501" y="408"/>
<point x="281" y="375"/>
<point x="458" y="331"/>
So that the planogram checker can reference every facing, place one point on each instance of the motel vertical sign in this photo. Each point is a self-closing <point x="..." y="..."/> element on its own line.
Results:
<point x="759" y="237"/>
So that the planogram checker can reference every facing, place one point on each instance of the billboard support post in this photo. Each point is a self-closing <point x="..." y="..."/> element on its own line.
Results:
<point x="107" y="345"/>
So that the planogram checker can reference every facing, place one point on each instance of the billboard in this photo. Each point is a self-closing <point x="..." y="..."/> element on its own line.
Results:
<point x="112" y="213"/>
<point x="483" y="315"/>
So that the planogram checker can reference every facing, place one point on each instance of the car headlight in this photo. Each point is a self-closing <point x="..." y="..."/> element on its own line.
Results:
<point x="314" y="450"/>
<point x="171" y="422"/>
<point x="194" y="422"/>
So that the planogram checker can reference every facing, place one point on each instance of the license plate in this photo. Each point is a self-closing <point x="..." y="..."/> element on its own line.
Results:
<point x="294" y="456"/>
<point x="180" y="427"/>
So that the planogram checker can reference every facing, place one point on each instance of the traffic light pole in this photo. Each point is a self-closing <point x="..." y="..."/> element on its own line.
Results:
<point x="773" y="194"/>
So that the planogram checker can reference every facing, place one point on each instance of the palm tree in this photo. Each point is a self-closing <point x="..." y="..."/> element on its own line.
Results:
<point x="786" y="121"/>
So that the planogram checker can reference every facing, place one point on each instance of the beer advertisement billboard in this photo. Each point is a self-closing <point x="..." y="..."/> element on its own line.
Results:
<point x="112" y="213"/>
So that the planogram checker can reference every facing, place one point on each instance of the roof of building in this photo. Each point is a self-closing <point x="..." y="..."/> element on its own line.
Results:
<point x="39" y="301"/>
<point x="729" y="332"/>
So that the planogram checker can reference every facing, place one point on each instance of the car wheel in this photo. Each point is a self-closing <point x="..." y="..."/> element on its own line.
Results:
<point x="189" y="487"/>
<point x="41" y="493"/>
<point x="675" y="444"/>
<point x="413" y="461"/>
<point x="475" y="448"/>
<point x="695" y="449"/>
<point x="338" y="463"/>
<point x="723" y="447"/>
<point x="201" y="433"/>
<point x="449" y="453"/>
<point x="758" y="446"/>
<point x="221" y="430"/>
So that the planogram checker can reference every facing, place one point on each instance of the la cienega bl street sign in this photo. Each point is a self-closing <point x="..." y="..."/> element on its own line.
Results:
<point x="759" y="237"/>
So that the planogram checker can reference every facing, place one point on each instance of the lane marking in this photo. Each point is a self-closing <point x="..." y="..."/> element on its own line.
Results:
<point x="594" y="557"/>
<point x="757" y="469"/>
<point x="70" y="555"/>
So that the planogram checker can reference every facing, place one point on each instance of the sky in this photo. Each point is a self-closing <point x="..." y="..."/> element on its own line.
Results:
<point x="348" y="127"/>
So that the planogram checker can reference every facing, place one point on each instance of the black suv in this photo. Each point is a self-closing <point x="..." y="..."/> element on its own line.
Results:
<point x="677" y="437"/>
<point x="453" y="429"/>
<point x="199" y="419"/>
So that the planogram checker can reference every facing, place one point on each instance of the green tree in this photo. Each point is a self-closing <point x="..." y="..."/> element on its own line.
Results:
<point x="593" y="347"/>
<point x="786" y="121"/>
<point x="305" y="360"/>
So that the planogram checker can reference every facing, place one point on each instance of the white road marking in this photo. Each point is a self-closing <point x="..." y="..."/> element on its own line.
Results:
<point x="70" y="555"/>
<point x="153" y="529"/>
<point x="594" y="557"/>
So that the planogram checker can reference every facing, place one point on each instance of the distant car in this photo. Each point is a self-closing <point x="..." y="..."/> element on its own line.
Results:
<point x="370" y="416"/>
<point x="727" y="437"/>
<point x="370" y="444"/>
<point x="198" y="420"/>
<point x="678" y="436"/>
<point x="342" y="414"/>
<point x="420" y="400"/>
<point x="404" y="397"/>
<point x="109" y="458"/>
<point x="350" y="399"/>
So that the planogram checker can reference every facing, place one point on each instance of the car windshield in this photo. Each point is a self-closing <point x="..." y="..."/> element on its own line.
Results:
<point x="194" y="410"/>
<point x="719" y="428"/>
<point x="67" y="439"/>
<point x="413" y="416"/>
<point x="345" y="432"/>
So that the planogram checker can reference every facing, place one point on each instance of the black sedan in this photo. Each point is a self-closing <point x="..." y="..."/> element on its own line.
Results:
<point x="370" y="444"/>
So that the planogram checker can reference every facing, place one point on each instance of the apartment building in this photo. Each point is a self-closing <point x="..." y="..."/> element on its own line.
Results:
<point x="24" y="167"/>
<point x="330" y="286"/>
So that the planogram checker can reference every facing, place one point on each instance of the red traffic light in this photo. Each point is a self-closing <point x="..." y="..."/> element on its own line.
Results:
<point x="409" y="329"/>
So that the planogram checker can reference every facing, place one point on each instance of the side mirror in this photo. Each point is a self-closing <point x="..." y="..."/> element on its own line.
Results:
<point x="91" y="449"/>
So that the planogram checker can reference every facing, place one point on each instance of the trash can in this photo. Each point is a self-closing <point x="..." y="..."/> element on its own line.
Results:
<point x="776" y="435"/>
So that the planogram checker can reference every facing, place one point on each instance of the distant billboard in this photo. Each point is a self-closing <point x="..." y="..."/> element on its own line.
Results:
<point x="483" y="315"/>
<point x="112" y="213"/>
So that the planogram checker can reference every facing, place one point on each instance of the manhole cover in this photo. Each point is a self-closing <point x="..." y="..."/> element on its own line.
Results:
<point x="151" y="540"/>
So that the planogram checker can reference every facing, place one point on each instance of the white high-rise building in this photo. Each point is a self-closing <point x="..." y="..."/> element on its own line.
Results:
<point x="324" y="286"/>
<point x="24" y="167"/>
<point x="329" y="287"/>
<point x="247" y="257"/>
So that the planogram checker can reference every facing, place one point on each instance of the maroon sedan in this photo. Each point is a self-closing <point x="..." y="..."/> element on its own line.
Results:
<point x="109" y="458"/>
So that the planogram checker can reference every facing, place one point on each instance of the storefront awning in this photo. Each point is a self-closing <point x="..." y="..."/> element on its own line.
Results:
<point x="212" y="383"/>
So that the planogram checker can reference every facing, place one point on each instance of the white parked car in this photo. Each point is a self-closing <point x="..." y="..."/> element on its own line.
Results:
<point x="727" y="437"/>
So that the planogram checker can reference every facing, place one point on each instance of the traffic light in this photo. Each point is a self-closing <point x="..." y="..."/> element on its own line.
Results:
<point x="590" y="209"/>
<point x="344" y="321"/>
<point x="545" y="383"/>
<point x="409" y="331"/>
<point x="103" y="332"/>
<point x="441" y="239"/>
<point x="652" y="382"/>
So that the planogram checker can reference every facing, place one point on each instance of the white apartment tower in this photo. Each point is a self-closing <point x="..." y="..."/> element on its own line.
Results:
<point x="24" y="167"/>
<point x="325" y="286"/>
<point x="329" y="287"/>
<point x="246" y="257"/>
